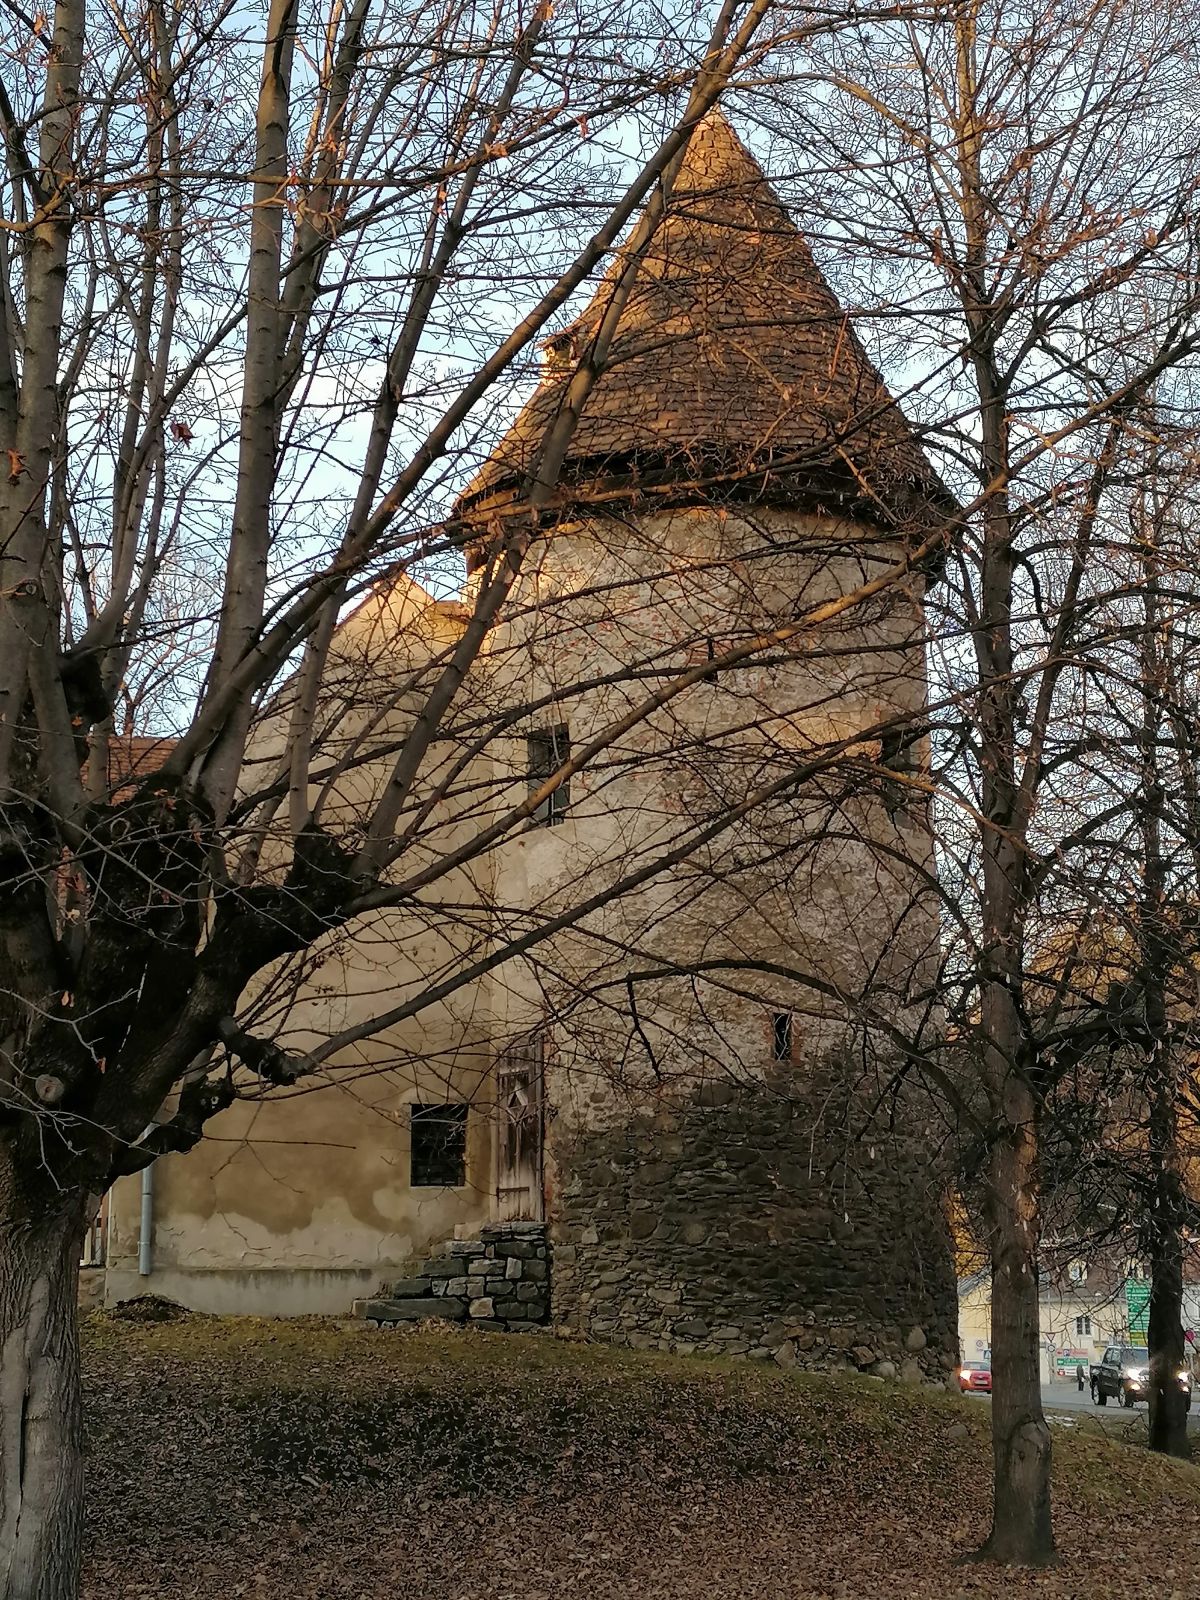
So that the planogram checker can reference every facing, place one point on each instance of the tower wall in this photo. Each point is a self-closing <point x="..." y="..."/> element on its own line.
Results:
<point x="701" y="1192"/>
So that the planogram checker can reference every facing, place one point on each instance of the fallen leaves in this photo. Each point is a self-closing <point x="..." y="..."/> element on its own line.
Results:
<point x="300" y="1459"/>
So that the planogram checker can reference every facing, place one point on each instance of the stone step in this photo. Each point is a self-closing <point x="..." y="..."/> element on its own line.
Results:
<point x="441" y="1267"/>
<point x="399" y="1288"/>
<point x="496" y="1280"/>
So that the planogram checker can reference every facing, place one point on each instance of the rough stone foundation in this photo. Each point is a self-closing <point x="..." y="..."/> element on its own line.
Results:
<point x="735" y="1228"/>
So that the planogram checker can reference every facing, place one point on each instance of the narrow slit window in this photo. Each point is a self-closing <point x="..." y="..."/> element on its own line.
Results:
<point x="899" y="752"/>
<point x="781" y="1036"/>
<point x="439" y="1147"/>
<point x="547" y="750"/>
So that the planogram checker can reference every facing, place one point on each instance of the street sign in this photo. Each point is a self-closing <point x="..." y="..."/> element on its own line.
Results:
<point x="1068" y="1360"/>
<point x="1137" y="1307"/>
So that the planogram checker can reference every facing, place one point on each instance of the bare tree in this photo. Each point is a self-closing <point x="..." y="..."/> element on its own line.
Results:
<point x="976" y="175"/>
<point x="222" y="424"/>
<point x="1118" y="918"/>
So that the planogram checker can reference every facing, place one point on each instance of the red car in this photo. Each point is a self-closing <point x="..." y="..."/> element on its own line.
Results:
<point x="975" y="1377"/>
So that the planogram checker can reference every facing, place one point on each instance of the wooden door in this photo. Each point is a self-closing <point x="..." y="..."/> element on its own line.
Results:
<point x="519" y="1134"/>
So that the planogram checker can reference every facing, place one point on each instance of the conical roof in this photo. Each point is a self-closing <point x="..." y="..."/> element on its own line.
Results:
<point x="733" y="370"/>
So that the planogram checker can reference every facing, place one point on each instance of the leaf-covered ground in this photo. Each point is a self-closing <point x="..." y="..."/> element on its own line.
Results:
<point x="303" y="1460"/>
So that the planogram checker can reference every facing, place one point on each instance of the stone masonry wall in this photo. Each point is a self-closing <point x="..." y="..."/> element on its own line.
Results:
<point x="734" y="1226"/>
<point x="497" y="1281"/>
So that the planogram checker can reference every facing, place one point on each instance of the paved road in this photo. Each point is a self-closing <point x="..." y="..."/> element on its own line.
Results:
<point x="1066" y="1397"/>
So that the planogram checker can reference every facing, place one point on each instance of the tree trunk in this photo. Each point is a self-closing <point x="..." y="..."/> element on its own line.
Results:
<point x="1162" y="1222"/>
<point x="41" y="1467"/>
<point x="1162" y="1236"/>
<point x="1021" y="1530"/>
<point x="1168" y="1402"/>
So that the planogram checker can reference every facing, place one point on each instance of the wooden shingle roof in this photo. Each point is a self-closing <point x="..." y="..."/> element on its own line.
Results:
<point x="733" y="371"/>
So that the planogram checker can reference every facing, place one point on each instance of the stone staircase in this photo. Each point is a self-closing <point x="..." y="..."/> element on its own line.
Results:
<point x="501" y="1280"/>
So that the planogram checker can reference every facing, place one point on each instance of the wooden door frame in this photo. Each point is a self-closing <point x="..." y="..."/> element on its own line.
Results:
<point x="525" y="1055"/>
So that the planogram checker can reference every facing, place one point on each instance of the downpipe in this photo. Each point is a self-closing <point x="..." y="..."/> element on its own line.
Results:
<point x="146" y="1228"/>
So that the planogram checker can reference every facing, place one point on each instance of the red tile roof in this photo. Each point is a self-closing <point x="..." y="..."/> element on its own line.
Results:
<point x="134" y="756"/>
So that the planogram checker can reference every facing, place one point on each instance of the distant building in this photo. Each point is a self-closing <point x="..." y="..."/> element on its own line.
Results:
<point x="1083" y="1307"/>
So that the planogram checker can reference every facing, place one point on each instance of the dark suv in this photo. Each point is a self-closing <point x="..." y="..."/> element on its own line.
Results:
<point x="1124" y="1374"/>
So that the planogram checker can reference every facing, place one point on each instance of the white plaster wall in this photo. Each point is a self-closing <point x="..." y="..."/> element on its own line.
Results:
<point x="317" y="1182"/>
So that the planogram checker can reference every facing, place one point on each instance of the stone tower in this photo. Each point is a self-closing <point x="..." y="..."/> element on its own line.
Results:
<point x="696" y="1086"/>
<point x="726" y="1165"/>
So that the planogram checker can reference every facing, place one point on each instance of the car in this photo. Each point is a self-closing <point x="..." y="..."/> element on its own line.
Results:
<point x="1124" y="1374"/>
<point x="975" y="1377"/>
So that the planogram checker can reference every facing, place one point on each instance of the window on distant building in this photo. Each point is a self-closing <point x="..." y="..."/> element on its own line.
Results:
<point x="1083" y="1327"/>
<point x="1137" y="1271"/>
<point x="439" y="1147"/>
<point x="547" y="751"/>
<point x="1077" y="1271"/>
<point x="781" y="1036"/>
